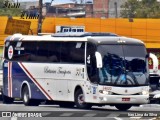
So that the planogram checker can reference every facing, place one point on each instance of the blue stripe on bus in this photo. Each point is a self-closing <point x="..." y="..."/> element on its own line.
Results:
<point x="18" y="75"/>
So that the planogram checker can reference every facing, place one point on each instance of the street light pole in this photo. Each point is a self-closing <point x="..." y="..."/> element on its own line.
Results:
<point x="115" y="6"/>
<point x="39" y="28"/>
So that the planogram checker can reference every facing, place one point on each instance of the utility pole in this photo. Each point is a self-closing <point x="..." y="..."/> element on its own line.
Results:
<point x="116" y="12"/>
<point x="39" y="28"/>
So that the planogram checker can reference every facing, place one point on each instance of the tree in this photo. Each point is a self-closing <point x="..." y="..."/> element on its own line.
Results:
<point x="141" y="9"/>
<point x="8" y="11"/>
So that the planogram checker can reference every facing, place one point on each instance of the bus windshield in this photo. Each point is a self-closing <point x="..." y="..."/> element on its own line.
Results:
<point x="123" y="65"/>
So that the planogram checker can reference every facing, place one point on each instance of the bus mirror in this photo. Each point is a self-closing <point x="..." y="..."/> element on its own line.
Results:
<point x="98" y="59"/>
<point x="155" y="62"/>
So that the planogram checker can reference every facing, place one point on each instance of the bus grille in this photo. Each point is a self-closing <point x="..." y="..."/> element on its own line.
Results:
<point x="125" y="94"/>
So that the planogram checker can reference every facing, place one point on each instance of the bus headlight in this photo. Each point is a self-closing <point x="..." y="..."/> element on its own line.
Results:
<point x="105" y="92"/>
<point x="145" y="92"/>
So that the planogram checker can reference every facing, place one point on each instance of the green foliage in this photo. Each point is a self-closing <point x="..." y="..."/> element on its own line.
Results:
<point x="5" y="11"/>
<point x="141" y="9"/>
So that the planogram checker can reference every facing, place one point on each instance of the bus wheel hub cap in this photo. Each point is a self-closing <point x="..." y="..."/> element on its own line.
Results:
<point x="81" y="99"/>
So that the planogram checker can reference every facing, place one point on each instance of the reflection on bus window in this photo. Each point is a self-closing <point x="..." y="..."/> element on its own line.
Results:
<point x="120" y="70"/>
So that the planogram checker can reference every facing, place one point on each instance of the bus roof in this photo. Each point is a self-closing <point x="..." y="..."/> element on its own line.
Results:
<point x="97" y="38"/>
<point x="83" y="34"/>
<point x="116" y="40"/>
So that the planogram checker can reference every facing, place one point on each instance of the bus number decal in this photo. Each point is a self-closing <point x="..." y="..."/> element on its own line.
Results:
<point x="107" y="88"/>
<point x="80" y="72"/>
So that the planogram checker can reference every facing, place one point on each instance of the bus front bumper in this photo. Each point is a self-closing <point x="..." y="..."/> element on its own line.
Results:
<point x="124" y="99"/>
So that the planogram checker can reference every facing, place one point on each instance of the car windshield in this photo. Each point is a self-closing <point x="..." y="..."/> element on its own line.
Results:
<point x="123" y="65"/>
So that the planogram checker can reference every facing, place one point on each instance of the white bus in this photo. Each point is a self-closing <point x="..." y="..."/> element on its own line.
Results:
<point x="76" y="69"/>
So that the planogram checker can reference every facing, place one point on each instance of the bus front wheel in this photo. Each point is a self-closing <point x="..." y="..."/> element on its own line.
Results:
<point x="79" y="100"/>
<point x="26" y="99"/>
<point x="123" y="107"/>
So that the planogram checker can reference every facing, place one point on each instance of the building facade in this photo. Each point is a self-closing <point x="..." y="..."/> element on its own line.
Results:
<point x="70" y="10"/>
<point x="89" y="9"/>
<point x="100" y="8"/>
<point x="114" y="8"/>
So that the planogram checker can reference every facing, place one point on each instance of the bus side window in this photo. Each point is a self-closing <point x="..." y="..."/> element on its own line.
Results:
<point x="30" y="51"/>
<point x="91" y="63"/>
<point x="54" y="51"/>
<point x="42" y="52"/>
<point x="72" y="52"/>
<point x="77" y="54"/>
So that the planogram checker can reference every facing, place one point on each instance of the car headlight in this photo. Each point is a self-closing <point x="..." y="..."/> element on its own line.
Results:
<point x="105" y="92"/>
<point x="145" y="92"/>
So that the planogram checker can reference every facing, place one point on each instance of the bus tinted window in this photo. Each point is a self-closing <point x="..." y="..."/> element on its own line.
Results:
<point x="71" y="53"/>
<point x="30" y="50"/>
<point x="77" y="52"/>
<point x="67" y="52"/>
<point x="54" y="51"/>
<point x="134" y="51"/>
<point x="42" y="52"/>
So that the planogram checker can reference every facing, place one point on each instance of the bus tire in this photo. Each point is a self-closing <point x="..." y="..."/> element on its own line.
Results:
<point x="7" y="100"/>
<point x="123" y="107"/>
<point x="26" y="99"/>
<point x="79" y="100"/>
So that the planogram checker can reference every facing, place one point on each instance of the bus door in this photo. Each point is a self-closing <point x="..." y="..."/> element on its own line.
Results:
<point x="91" y="63"/>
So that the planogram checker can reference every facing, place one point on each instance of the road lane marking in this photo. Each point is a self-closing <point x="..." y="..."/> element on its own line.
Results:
<point x="113" y="115"/>
<point x="66" y="114"/>
<point x="117" y="118"/>
<point x="89" y="115"/>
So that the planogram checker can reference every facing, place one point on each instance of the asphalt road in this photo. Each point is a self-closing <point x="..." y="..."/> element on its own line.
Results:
<point x="18" y="111"/>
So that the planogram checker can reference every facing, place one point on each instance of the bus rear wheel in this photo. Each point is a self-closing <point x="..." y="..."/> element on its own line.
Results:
<point x="123" y="107"/>
<point x="79" y="100"/>
<point x="26" y="99"/>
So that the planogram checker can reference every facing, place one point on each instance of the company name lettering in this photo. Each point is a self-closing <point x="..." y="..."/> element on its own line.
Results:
<point x="59" y="70"/>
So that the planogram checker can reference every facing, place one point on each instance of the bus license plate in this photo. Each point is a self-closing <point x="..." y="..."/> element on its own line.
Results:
<point x="125" y="99"/>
